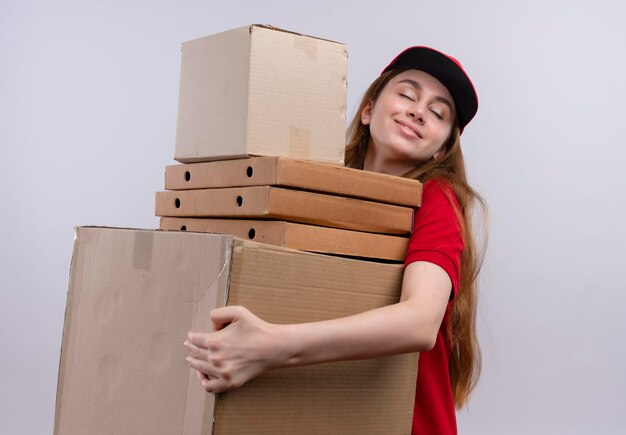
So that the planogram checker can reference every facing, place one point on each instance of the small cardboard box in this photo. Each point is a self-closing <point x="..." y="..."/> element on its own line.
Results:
<point x="295" y="174"/>
<point x="134" y="294"/>
<point x="310" y="238"/>
<point x="267" y="202"/>
<point x="259" y="90"/>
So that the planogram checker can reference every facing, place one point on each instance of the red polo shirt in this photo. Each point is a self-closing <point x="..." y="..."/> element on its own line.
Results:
<point x="436" y="238"/>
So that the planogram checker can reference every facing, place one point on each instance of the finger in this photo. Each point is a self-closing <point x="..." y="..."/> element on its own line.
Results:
<point x="204" y="378"/>
<point x="199" y="339"/>
<point x="206" y="384"/>
<point x="222" y="317"/>
<point x="201" y="366"/>
<point x="195" y="351"/>
<point x="216" y="385"/>
<point x="213" y="384"/>
<point x="201" y="376"/>
<point x="204" y="381"/>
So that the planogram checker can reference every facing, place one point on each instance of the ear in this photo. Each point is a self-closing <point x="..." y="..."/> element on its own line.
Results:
<point x="439" y="153"/>
<point x="366" y="113"/>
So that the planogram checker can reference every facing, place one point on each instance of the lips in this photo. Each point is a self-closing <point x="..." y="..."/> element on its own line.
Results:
<point x="408" y="128"/>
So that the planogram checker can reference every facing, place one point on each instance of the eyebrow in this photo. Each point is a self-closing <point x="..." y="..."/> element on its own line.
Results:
<point x="418" y="87"/>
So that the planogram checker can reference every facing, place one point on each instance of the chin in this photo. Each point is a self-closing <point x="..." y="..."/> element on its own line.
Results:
<point x="402" y="154"/>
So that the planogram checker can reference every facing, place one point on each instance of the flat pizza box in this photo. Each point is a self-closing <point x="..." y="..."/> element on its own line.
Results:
<point x="134" y="294"/>
<point x="303" y="237"/>
<point x="260" y="90"/>
<point x="295" y="174"/>
<point x="267" y="202"/>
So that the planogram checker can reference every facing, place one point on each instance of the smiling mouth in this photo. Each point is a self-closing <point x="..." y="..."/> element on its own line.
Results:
<point x="407" y="128"/>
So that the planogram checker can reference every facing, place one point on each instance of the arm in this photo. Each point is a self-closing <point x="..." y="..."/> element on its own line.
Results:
<point x="248" y="346"/>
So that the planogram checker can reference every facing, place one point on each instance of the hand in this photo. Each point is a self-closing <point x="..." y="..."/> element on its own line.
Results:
<point x="241" y="348"/>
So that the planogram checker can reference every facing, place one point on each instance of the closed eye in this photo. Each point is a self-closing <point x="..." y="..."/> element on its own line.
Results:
<point x="437" y="114"/>
<point x="406" y="96"/>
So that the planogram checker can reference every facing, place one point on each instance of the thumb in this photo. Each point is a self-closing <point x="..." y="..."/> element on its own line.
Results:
<point x="222" y="317"/>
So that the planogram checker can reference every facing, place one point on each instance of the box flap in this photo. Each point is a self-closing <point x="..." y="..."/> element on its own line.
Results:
<point x="278" y="29"/>
<point x="133" y="296"/>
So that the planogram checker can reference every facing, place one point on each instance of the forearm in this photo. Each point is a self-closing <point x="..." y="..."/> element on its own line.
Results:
<point x="398" y="328"/>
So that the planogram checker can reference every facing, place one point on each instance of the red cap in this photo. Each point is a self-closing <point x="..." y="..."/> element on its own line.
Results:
<point x="448" y="71"/>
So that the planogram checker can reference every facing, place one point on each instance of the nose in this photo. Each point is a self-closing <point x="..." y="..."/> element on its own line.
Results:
<point x="415" y="113"/>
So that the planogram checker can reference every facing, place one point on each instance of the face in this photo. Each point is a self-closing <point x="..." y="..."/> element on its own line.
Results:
<point x="411" y="120"/>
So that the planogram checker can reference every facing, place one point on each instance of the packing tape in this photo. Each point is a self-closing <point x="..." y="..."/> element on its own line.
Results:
<point x="306" y="45"/>
<point x="299" y="143"/>
<point x="142" y="250"/>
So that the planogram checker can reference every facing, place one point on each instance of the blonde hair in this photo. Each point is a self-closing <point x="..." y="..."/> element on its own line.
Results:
<point x="465" y="358"/>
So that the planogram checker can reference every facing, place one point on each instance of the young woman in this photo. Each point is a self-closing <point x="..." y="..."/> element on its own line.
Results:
<point x="408" y="124"/>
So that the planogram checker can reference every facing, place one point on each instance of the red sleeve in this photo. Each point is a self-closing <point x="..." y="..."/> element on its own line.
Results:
<point x="437" y="236"/>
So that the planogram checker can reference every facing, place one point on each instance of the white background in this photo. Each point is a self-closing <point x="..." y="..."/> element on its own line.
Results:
<point x="88" y="101"/>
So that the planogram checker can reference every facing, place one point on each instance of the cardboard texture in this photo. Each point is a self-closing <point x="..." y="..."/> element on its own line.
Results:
<point x="286" y="204"/>
<point x="134" y="294"/>
<point x="296" y="174"/>
<point x="258" y="90"/>
<point x="298" y="236"/>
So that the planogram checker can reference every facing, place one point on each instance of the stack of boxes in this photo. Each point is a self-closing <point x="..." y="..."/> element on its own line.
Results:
<point x="292" y="203"/>
<point x="133" y="294"/>
<point x="265" y="92"/>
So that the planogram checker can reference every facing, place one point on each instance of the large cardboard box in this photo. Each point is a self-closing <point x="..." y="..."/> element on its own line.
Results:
<point x="258" y="90"/>
<point x="298" y="236"/>
<point x="295" y="174"/>
<point x="134" y="294"/>
<point x="268" y="202"/>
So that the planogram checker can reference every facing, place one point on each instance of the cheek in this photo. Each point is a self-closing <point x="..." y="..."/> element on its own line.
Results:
<point x="375" y="123"/>
<point x="444" y="136"/>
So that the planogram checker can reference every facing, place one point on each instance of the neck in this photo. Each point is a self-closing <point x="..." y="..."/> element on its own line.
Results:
<point x="377" y="162"/>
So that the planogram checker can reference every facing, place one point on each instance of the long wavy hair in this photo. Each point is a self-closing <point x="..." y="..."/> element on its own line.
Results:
<point x="465" y="358"/>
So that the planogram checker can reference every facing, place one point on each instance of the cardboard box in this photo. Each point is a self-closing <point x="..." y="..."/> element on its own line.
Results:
<point x="286" y="204"/>
<point x="296" y="174"/>
<point x="259" y="90"/>
<point x="298" y="236"/>
<point x="134" y="294"/>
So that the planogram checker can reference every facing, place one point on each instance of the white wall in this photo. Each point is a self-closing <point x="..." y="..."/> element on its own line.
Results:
<point x="88" y="99"/>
